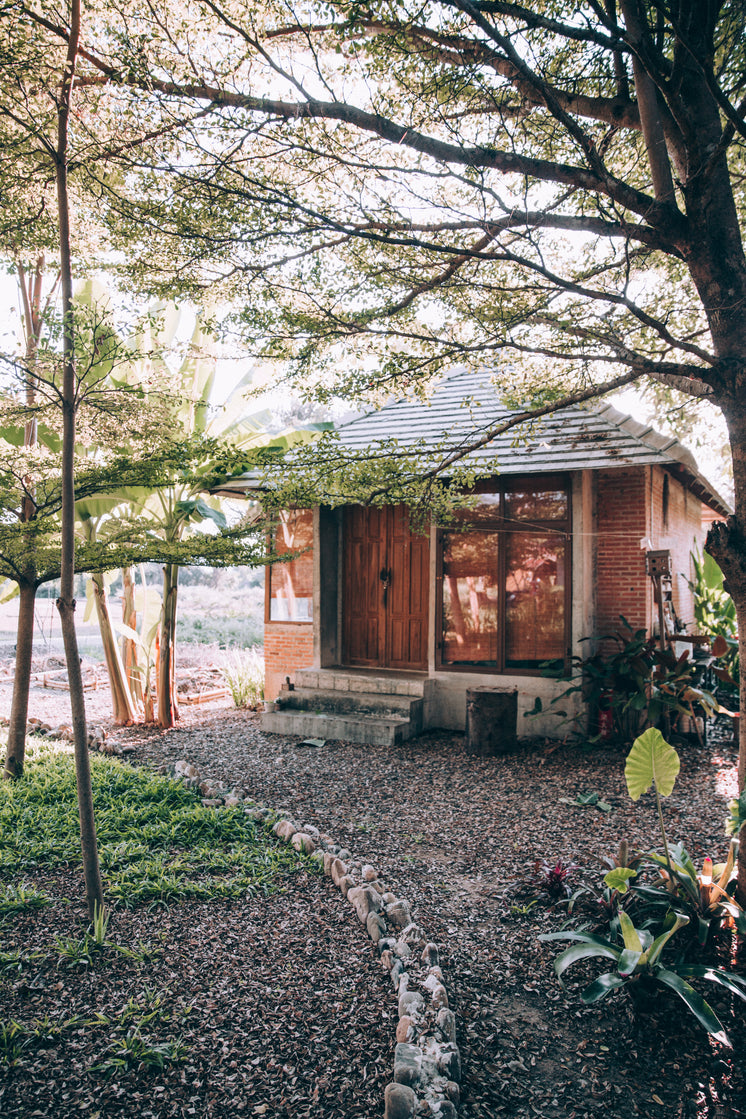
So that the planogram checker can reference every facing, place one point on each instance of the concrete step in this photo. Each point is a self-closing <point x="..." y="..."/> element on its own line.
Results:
<point x="388" y="731"/>
<point x="332" y="701"/>
<point x="342" y="680"/>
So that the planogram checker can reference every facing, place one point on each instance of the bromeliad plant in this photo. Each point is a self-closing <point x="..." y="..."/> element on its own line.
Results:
<point x="639" y="967"/>
<point x="680" y="898"/>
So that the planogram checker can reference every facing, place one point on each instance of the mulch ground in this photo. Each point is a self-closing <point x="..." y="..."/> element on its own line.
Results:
<point x="292" y="1012"/>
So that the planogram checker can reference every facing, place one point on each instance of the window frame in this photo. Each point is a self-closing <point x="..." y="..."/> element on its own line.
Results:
<point x="502" y="526"/>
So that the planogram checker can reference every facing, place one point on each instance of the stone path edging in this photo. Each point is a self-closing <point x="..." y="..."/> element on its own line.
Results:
<point x="427" y="1063"/>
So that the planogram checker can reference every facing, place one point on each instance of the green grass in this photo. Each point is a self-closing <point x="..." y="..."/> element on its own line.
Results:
<point x="157" y="844"/>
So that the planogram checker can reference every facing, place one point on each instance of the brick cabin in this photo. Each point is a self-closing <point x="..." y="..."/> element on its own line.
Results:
<point x="554" y="552"/>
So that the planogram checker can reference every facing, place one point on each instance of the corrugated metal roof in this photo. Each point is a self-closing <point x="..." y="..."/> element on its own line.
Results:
<point x="464" y="404"/>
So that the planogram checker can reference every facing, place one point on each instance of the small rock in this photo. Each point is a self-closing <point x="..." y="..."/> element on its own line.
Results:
<point x="338" y="870"/>
<point x="303" y="842"/>
<point x="397" y="913"/>
<point x="407" y="1064"/>
<point x="446" y="1023"/>
<point x="376" y="926"/>
<point x="447" y="1110"/>
<point x="211" y="802"/>
<point x="411" y="1003"/>
<point x="405" y="1029"/>
<point x="231" y="801"/>
<point x="430" y="957"/>
<point x="344" y="854"/>
<point x="368" y="874"/>
<point x="283" y="829"/>
<point x="400" y="1102"/>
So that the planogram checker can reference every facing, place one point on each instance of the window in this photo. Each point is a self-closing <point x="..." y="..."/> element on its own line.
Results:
<point x="505" y="579"/>
<point x="291" y="583"/>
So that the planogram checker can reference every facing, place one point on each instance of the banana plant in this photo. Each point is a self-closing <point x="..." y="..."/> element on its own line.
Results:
<point x="639" y="967"/>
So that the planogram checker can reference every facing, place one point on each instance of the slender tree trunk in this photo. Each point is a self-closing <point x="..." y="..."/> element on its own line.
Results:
<point x="130" y="657"/>
<point x="66" y="601"/>
<point x="168" y="711"/>
<point x="123" y="707"/>
<point x="33" y="320"/>
<point x="21" y="682"/>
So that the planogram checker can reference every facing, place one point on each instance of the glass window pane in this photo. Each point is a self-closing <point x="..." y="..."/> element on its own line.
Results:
<point x="536" y="505"/>
<point x="534" y="599"/>
<point x="291" y="583"/>
<point x="470" y="595"/>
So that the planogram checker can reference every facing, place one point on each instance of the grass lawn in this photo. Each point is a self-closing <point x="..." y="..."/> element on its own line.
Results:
<point x="166" y="1008"/>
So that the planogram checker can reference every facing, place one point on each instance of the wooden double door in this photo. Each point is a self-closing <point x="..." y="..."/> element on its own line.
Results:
<point x="385" y="589"/>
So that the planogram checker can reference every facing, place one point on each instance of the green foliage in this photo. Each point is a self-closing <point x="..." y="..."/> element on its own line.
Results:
<point x="244" y="677"/>
<point x="638" y="959"/>
<point x="638" y="682"/>
<point x="15" y="899"/>
<point x="587" y="800"/>
<point x="715" y="614"/>
<point x="157" y="843"/>
<point x="651" y="762"/>
<point x="677" y="898"/>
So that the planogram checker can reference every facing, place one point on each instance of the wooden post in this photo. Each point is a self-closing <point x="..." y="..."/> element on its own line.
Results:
<point x="491" y="721"/>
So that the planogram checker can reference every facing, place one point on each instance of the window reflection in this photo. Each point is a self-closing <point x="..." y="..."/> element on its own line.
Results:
<point x="291" y="583"/>
<point x="536" y="505"/>
<point x="470" y="596"/>
<point x="534" y="599"/>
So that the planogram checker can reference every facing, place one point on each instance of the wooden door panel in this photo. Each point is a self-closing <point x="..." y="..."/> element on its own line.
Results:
<point x="384" y="626"/>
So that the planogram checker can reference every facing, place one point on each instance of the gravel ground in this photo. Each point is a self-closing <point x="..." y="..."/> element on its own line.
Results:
<point x="458" y="837"/>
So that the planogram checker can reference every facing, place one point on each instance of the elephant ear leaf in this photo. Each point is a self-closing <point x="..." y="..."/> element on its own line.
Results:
<point x="651" y="761"/>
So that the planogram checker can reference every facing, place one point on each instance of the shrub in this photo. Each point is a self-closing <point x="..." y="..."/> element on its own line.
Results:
<point x="244" y="677"/>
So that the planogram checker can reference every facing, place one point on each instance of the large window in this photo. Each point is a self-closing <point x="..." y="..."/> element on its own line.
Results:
<point x="505" y="599"/>
<point x="291" y="583"/>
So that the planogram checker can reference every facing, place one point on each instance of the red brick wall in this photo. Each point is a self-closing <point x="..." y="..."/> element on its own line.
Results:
<point x="621" y="582"/>
<point x="287" y="646"/>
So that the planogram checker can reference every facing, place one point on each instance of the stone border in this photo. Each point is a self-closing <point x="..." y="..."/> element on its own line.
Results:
<point x="427" y="1063"/>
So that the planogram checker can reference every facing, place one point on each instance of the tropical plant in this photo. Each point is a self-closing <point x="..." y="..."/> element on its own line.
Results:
<point x="639" y="967"/>
<point x="715" y="615"/>
<point x="678" y="899"/>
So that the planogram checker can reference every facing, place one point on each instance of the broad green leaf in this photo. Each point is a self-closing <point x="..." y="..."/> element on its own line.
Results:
<point x="577" y="952"/>
<point x="653" y="953"/>
<point x="736" y="984"/>
<point x="618" y="878"/>
<point x="701" y="1010"/>
<point x="628" y="961"/>
<point x="630" y="934"/>
<point x="651" y="761"/>
<point x="601" y="987"/>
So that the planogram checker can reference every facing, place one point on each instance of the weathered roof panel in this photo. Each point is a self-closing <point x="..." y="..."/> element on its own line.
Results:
<point x="576" y="438"/>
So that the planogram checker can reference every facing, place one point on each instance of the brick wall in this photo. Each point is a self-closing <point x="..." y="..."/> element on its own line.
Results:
<point x="621" y="583"/>
<point x="287" y="646"/>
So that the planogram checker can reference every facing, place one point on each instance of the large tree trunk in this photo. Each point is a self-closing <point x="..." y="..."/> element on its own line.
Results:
<point x="21" y="682"/>
<point x="726" y="544"/>
<point x="66" y="601"/>
<point x="121" y="700"/>
<point x="168" y="711"/>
